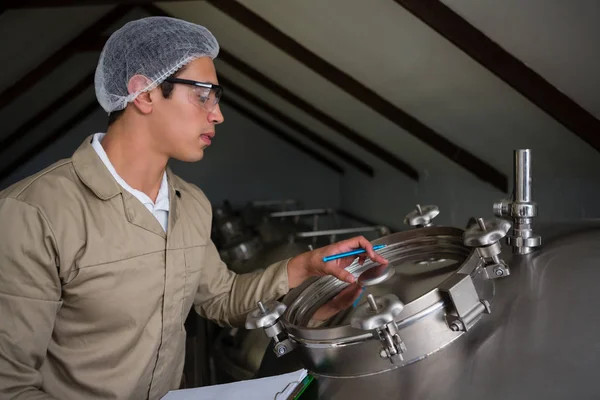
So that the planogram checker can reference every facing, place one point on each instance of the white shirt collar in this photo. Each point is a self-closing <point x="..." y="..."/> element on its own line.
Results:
<point x="162" y="200"/>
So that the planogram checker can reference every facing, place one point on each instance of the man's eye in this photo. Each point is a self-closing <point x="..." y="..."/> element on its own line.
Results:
<point x="203" y="95"/>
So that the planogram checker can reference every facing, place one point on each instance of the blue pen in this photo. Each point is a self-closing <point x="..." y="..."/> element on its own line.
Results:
<point x="351" y="253"/>
<point x="358" y="298"/>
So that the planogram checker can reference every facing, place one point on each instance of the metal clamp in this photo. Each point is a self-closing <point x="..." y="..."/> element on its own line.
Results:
<point x="421" y="216"/>
<point x="521" y="209"/>
<point x="267" y="316"/>
<point x="486" y="236"/>
<point x="468" y="307"/>
<point x="379" y="315"/>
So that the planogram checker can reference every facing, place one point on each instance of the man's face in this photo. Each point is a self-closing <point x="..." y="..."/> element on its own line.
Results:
<point x="182" y="125"/>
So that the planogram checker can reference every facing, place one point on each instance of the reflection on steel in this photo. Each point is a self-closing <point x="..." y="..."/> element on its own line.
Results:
<point x="376" y="275"/>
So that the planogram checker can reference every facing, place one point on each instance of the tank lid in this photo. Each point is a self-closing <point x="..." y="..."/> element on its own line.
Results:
<point x="419" y="261"/>
<point x="431" y="292"/>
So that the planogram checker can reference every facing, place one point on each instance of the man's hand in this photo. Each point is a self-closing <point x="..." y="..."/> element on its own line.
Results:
<point x="311" y="263"/>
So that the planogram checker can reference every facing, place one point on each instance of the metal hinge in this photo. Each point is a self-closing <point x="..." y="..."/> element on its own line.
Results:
<point x="468" y="307"/>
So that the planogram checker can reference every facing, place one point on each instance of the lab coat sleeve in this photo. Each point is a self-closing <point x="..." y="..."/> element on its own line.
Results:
<point x="226" y="297"/>
<point x="29" y="298"/>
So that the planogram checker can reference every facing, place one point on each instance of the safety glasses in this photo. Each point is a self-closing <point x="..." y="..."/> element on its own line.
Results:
<point x="206" y="95"/>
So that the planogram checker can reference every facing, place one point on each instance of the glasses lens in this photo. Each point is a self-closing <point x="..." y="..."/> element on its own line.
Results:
<point x="207" y="98"/>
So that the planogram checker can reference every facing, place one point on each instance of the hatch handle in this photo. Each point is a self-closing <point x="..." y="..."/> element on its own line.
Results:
<point x="378" y="315"/>
<point x="267" y="316"/>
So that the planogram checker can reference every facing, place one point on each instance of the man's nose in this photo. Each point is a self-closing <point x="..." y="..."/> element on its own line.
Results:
<point x="215" y="116"/>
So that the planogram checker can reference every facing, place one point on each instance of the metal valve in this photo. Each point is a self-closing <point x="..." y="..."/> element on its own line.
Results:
<point x="379" y="315"/>
<point x="421" y="216"/>
<point x="486" y="237"/>
<point x="520" y="208"/>
<point x="266" y="316"/>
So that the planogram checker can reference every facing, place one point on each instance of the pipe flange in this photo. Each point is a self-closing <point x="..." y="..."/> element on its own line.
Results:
<point x="533" y="241"/>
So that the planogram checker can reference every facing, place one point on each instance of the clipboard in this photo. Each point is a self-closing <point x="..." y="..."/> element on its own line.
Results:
<point x="287" y="386"/>
<point x="300" y="388"/>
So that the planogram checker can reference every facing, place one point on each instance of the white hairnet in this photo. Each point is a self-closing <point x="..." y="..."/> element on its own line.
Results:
<point x="154" y="47"/>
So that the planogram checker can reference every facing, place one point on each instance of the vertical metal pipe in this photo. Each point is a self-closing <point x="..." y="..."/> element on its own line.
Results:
<point x="523" y="176"/>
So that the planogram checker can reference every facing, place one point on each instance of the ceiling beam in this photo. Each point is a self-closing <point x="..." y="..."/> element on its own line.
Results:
<point x="345" y="131"/>
<point x="56" y="59"/>
<point x="268" y="32"/>
<point x="508" y="68"/>
<point x="79" y="3"/>
<point x="266" y="125"/>
<point x="298" y="127"/>
<point x="48" y="111"/>
<point x="56" y="134"/>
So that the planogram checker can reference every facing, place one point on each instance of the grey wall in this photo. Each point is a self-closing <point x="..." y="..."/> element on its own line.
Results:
<point x="390" y="196"/>
<point x="244" y="162"/>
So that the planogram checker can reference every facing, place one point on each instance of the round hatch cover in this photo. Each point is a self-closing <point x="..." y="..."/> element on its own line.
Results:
<point x="334" y="327"/>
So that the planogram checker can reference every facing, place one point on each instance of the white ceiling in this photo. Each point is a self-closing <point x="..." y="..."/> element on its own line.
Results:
<point x="558" y="39"/>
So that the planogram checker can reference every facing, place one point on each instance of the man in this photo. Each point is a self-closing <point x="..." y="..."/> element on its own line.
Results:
<point x="103" y="254"/>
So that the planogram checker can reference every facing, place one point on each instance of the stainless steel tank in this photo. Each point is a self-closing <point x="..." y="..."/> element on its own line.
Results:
<point x="504" y="309"/>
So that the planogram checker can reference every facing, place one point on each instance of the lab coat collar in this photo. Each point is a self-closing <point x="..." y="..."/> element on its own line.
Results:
<point x="94" y="174"/>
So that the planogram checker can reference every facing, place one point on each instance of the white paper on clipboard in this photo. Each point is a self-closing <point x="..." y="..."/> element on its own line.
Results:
<point x="277" y="387"/>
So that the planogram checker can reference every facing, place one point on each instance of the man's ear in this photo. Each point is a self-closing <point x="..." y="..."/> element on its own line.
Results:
<point x="143" y="101"/>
